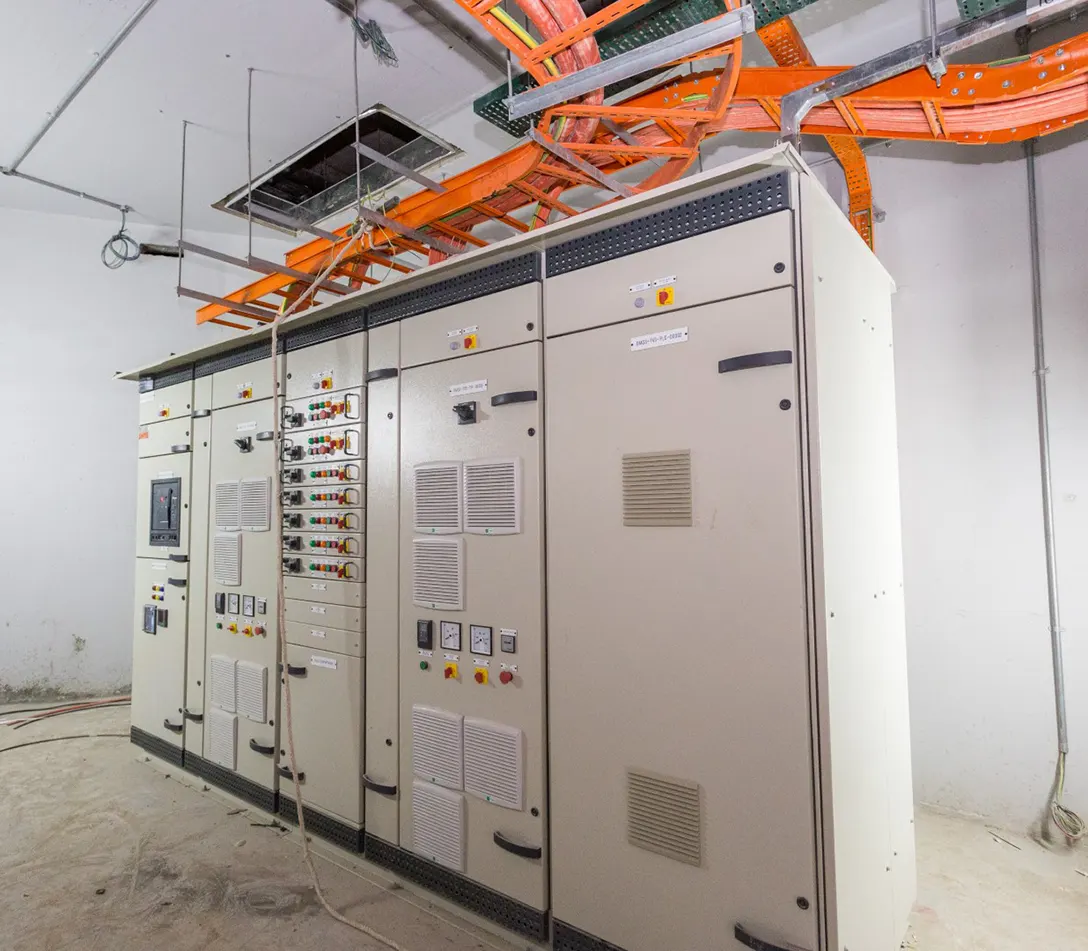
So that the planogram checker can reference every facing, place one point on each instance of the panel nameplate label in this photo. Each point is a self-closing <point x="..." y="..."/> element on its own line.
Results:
<point x="317" y="608"/>
<point x="246" y="427"/>
<point x="329" y="663"/>
<point x="476" y="386"/>
<point x="662" y="339"/>
<point x="317" y="634"/>
<point x="647" y="285"/>
<point x="461" y="331"/>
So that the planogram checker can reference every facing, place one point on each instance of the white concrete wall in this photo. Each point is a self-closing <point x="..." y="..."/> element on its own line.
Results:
<point x="67" y="481"/>
<point x="955" y="239"/>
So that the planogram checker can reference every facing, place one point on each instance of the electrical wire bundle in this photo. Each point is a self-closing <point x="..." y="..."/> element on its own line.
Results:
<point x="121" y="248"/>
<point x="19" y="720"/>
<point x="1067" y="822"/>
<point x="370" y="34"/>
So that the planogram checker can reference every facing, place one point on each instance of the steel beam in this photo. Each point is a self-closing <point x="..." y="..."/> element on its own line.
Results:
<point x="432" y="241"/>
<point x="264" y="316"/>
<point x="75" y="193"/>
<point x="963" y="35"/>
<point x="391" y="163"/>
<point x="288" y="222"/>
<point x="585" y="168"/>
<point x="695" y="39"/>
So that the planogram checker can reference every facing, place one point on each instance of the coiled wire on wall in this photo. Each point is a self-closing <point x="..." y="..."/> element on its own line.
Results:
<point x="121" y="248"/>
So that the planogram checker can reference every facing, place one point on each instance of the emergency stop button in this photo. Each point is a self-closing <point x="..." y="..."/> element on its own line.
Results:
<point x="450" y="672"/>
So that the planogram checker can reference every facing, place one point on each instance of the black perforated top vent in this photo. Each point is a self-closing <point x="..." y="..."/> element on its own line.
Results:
<point x="341" y="325"/>
<point x="740" y="203"/>
<point x="250" y="353"/>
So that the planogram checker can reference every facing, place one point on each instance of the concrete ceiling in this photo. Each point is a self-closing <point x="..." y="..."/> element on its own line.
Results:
<point x="187" y="59"/>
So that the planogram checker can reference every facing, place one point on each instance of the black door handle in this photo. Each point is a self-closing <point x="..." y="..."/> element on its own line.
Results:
<point x="173" y="728"/>
<point x="757" y="944"/>
<point x="179" y="558"/>
<point x="379" y="787"/>
<point x="201" y="413"/>
<point x="244" y="444"/>
<point x="525" y="851"/>
<point x="749" y="361"/>
<point x="177" y="582"/>
<point x="180" y="447"/>
<point x="294" y="671"/>
<point x="286" y="773"/>
<point x="263" y="750"/>
<point x="265" y="436"/>
<point x="195" y="717"/>
<point x="385" y="373"/>
<point x="517" y="396"/>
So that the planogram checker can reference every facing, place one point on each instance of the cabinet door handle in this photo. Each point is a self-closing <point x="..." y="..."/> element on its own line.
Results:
<point x="173" y="727"/>
<point x="294" y="671"/>
<point x="286" y="773"/>
<point x="180" y="447"/>
<point x="263" y="750"/>
<point x="265" y="435"/>
<point x="758" y="944"/>
<point x="179" y="558"/>
<point x="177" y="582"/>
<point x="201" y="413"/>
<point x="749" y="361"/>
<point x="516" y="396"/>
<point x="525" y="851"/>
<point x="379" y="787"/>
<point x="385" y="373"/>
<point x="195" y="717"/>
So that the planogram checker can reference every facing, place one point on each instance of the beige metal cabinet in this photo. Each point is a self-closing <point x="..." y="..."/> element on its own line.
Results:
<point x="327" y="717"/>
<point x="472" y="703"/>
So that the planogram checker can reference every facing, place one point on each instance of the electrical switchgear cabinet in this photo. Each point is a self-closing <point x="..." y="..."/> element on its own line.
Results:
<point x="656" y="737"/>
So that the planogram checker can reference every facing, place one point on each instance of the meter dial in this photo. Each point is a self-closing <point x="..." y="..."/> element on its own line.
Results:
<point x="451" y="635"/>
<point x="481" y="639"/>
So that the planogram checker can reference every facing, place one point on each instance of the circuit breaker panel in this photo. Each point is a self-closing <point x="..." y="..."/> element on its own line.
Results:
<point x="164" y="447"/>
<point x="472" y="770"/>
<point x="323" y="481"/>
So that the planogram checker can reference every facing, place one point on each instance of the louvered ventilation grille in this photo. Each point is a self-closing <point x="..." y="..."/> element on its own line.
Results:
<point x="227" y="559"/>
<point x="664" y="816"/>
<point x="438" y="825"/>
<point x="223" y="738"/>
<point x="223" y="691"/>
<point x="256" y="500"/>
<point x="437" y="752"/>
<point x="493" y="762"/>
<point x="228" y="511"/>
<point x="252" y="689"/>
<point x="438" y="573"/>
<point x="493" y="496"/>
<point x="438" y="498"/>
<point x="657" y="489"/>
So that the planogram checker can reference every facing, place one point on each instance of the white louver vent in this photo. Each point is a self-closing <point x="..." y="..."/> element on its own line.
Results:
<point x="228" y="509"/>
<point x="438" y="825"/>
<point x="438" y="573"/>
<point x="252" y="689"/>
<point x="227" y="559"/>
<point x="223" y="692"/>
<point x="493" y="496"/>
<point x="222" y="738"/>
<point x="493" y="762"/>
<point x="438" y="498"/>
<point x="657" y="489"/>
<point x="256" y="501"/>
<point x="664" y="816"/>
<point x="437" y="755"/>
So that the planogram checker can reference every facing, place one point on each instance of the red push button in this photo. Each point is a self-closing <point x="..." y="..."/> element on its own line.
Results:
<point x="505" y="677"/>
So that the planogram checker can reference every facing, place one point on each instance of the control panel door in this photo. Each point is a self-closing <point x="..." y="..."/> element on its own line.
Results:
<point x="471" y="619"/>
<point x="327" y="719"/>
<point x="240" y="605"/>
<point x="166" y="402"/>
<point x="158" y="649"/>
<point x="680" y="734"/>
<point x="163" y="487"/>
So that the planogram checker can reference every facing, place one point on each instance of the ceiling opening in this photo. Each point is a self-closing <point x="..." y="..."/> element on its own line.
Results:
<point x="319" y="180"/>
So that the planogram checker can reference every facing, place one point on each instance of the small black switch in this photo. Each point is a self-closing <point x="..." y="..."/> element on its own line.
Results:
<point x="293" y="475"/>
<point x="292" y="498"/>
<point x="292" y="542"/>
<point x="220" y="602"/>
<point x="425" y="635"/>
<point x="292" y="565"/>
<point x="163" y="616"/>
<point x="292" y="520"/>
<point x="466" y="412"/>
<point x="294" y="452"/>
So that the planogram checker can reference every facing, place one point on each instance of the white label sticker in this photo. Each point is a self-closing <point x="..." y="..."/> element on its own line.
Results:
<point x="317" y="633"/>
<point x="476" y="386"/>
<point x="662" y="339"/>
<point x="165" y="475"/>
<point x="158" y="567"/>
<point x="647" y="285"/>
<point x="246" y="427"/>
<point x="329" y="663"/>
<point x="147" y="397"/>
<point x="454" y="657"/>
<point x="317" y="608"/>
<point x="319" y="587"/>
<point x="507" y="630"/>
<point x="481" y="662"/>
<point x="461" y="331"/>
<point x="426" y="653"/>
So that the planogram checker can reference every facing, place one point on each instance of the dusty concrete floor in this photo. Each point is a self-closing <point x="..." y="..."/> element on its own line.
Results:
<point x="99" y="851"/>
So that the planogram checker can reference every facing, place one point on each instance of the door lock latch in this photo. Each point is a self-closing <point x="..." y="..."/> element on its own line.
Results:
<point x="466" y="412"/>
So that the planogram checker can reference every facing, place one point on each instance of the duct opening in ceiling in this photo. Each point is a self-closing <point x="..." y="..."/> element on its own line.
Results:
<point x="319" y="180"/>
